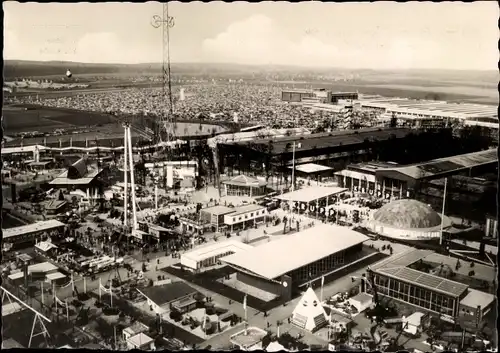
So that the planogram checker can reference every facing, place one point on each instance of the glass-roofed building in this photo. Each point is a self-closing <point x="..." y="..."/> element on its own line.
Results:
<point x="442" y="296"/>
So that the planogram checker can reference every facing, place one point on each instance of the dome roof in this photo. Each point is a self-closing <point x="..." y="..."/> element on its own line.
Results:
<point x="407" y="214"/>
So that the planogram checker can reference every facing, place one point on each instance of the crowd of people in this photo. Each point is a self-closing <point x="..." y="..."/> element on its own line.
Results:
<point x="251" y="103"/>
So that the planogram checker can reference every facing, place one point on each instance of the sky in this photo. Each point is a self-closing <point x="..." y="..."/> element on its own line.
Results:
<point x="381" y="35"/>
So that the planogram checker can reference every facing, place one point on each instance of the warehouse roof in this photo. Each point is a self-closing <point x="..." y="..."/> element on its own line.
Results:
<point x="311" y="168"/>
<point x="326" y="140"/>
<point x="426" y="280"/>
<point x="41" y="226"/>
<point x="215" y="249"/>
<point x="247" y="208"/>
<point x="441" y="166"/>
<point x="475" y="298"/>
<point x="218" y="210"/>
<point x="302" y="248"/>
<point x="310" y="194"/>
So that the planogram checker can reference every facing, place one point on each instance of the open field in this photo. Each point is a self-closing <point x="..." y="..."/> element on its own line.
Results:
<point x="42" y="119"/>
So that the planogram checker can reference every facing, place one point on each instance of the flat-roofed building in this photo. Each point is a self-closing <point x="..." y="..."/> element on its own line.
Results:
<point x="436" y="295"/>
<point x="176" y="295"/>
<point x="141" y="341"/>
<point x="245" y="216"/>
<point x="296" y="96"/>
<point x="28" y="233"/>
<point x="311" y="254"/>
<point x="134" y="329"/>
<point x="313" y="200"/>
<point x="312" y="172"/>
<point x="211" y="254"/>
<point x="215" y="215"/>
<point x="249" y="339"/>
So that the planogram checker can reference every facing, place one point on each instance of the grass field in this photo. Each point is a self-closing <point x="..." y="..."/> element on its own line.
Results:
<point x="44" y="119"/>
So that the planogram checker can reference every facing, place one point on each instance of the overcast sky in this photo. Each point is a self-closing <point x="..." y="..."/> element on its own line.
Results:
<point x="364" y="35"/>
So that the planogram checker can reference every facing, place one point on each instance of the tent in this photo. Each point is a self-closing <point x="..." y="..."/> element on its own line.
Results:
<point x="275" y="347"/>
<point x="309" y="314"/>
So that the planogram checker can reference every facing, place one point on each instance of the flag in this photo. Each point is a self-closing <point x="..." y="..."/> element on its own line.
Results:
<point x="322" y="281"/>
<point x="245" y="302"/>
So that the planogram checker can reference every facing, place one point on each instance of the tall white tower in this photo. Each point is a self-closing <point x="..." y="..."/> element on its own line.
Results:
<point x="182" y="95"/>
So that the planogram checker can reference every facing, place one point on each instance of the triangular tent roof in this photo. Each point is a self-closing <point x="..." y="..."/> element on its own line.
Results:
<point x="309" y="314"/>
<point x="275" y="346"/>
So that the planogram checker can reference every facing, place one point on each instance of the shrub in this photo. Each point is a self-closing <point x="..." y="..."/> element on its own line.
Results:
<point x="471" y="273"/>
<point x="220" y="311"/>
<point x="210" y="311"/>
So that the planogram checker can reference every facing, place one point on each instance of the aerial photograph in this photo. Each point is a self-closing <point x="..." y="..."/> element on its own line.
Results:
<point x="250" y="176"/>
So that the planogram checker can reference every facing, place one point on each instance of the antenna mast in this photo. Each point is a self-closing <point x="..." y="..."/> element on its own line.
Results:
<point x="166" y="123"/>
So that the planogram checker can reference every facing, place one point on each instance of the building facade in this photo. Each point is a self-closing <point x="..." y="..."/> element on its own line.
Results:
<point x="415" y="294"/>
<point x="243" y="185"/>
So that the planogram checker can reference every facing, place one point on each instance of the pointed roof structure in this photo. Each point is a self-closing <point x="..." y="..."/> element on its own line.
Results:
<point x="244" y="180"/>
<point x="309" y="314"/>
<point x="275" y="346"/>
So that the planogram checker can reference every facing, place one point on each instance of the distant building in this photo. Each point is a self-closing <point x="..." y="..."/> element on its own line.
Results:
<point x="295" y="96"/>
<point x="337" y="97"/>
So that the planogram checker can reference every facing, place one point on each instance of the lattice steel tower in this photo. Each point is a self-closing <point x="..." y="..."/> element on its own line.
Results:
<point x="166" y="127"/>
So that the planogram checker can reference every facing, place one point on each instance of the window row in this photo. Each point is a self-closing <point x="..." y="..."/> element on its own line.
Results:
<point x="415" y="295"/>
<point x="318" y="268"/>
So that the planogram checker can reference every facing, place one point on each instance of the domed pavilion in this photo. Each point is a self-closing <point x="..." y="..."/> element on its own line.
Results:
<point x="408" y="219"/>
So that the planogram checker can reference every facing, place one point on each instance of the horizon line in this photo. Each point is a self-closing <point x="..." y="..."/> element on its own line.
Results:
<point x="241" y="64"/>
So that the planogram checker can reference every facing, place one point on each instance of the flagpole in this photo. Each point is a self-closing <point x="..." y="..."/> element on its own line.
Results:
<point x="293" y="167"/>
<point x="442" y="212"/>
<point x="55" y="297"/>
<point x="41" y="285"/>
<point x="246" y="314"/>
<point x="100" y="288"/>
<point x="72" y="283"/>
<point x="67" y="309"/>
<point x="322" y="284"/>
<point x="84" y="284"/>
<point x="111" y="292"/>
